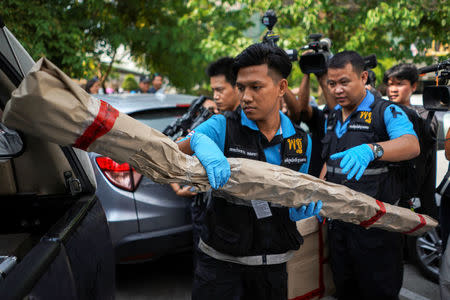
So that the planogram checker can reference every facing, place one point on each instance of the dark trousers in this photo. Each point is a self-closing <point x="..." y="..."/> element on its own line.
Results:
<point x="198" y="209"/>
<point x="217" y="280"/>
<point x="366" y="264"/>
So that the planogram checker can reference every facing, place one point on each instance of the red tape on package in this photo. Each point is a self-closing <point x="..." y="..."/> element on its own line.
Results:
<point x="422" y="223"/>
<point x="103" y="123"/>
<point x="376" y="217"/>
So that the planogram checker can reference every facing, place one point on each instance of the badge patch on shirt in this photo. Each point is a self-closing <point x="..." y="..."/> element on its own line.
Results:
<point x="366" y="116"/>
<point x="262" y="209"/>
<point x="294" y="160"/>
<point x="358" y="127"/>
<point x="243" y="152"/>
<point x="296" y="145"/>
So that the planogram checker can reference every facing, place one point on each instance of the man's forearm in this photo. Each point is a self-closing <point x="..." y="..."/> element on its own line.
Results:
<point x="329" y="99"/>
<point x="185" y="146"/>
<point x="402" y="148"/>
<point x="299" y="108"/>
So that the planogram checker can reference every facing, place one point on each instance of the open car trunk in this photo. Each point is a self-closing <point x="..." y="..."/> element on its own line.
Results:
<point x="54" y="238"/>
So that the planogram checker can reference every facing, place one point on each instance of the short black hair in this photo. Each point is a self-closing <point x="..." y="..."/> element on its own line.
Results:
<point x="156" y="75"/>
<point x="90" y="83"/>
<point x="402" y="71"/>
<point x="144" y="79"/>
<point x="341" y="59"/>
<point x="222" y="66"/>
<point x="260" y="54"/>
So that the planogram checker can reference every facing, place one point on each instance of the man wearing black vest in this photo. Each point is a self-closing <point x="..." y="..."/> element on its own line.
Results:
<point x="401" y="81"/>
<point x="363" y="135"/>
<point x="245" y="245"/>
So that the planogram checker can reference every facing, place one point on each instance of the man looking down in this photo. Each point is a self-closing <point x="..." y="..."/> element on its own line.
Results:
<point x="245" y="245"/>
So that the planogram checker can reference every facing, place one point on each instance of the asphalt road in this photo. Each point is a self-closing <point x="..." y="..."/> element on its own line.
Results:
<point x="170" y="278"/>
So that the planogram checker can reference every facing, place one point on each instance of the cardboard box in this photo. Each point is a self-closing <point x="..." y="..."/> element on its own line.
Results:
<point x="309" y="273"/>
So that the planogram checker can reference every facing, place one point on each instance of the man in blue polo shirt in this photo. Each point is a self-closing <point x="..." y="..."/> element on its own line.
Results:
<point x="245" y="245"/>
<point x="364" y="135"/>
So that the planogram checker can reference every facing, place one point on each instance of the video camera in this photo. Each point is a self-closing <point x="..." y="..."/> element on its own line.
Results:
<point x="195" y="115"/>
<point x="310" y="63"/>
<point x="370" y="62"/>
<point x="316" y="62"/>
<point x="269" y="20"/>
<point x="437" y="98"/>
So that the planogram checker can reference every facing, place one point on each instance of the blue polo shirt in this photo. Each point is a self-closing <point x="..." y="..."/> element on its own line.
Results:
<point x="215" y="129"/>
<point x="395" y="119"/>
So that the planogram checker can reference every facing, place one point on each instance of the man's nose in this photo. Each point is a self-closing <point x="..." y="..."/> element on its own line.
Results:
<point x="246" y="96"/>
<point x="339" y="90"/>
<point x="216" y="95"/>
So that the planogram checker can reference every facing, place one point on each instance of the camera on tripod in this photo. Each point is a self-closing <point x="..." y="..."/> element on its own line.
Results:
<point x="269" y="20"/>
<point x="437" y="98"/>
<point x="317" y="61"/>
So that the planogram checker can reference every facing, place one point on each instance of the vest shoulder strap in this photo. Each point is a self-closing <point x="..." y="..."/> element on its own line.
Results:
<point x="378" y="107"/>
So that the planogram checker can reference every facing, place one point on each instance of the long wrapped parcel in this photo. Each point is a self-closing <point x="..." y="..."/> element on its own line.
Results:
<point x="49" y="105"/>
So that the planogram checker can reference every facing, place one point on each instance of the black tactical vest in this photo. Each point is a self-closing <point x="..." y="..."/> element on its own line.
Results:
<point x="232" y="227"/>
<point x="365" y="127"/>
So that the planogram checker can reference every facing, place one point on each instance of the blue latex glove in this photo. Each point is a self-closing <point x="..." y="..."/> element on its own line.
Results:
<point x="303" y="212"/>
<point x="355" y="160"/>
<point x="215" y="163"/>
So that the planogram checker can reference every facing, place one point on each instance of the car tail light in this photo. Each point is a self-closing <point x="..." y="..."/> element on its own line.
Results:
<point x="121" y="175"/>
<point x="186" y="105"/>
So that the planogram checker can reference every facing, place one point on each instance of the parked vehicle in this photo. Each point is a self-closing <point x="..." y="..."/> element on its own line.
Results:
<point x="146" y="219"/>
<point x="54" y="238"/>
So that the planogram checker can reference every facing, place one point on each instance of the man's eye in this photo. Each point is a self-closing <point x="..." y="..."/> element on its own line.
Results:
<point x="240" y="88"/>
<point x="256" y="87"/>
<point x="331" y="83"/>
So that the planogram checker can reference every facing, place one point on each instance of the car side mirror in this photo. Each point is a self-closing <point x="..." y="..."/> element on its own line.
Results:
<point x="11" y="144"/>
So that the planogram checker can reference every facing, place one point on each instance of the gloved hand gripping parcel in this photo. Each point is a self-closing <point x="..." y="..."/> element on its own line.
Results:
<point x="50" y="106"/>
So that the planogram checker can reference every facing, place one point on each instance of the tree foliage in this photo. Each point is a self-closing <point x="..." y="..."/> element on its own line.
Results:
<point x="54" y="29"/>
<point x="178" y="38"/>
<point x="130" y="83"/>
<point x="385" y="28"/>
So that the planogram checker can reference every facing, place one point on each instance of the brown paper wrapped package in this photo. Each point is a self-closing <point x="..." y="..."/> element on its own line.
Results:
<point x="49" y="105"/>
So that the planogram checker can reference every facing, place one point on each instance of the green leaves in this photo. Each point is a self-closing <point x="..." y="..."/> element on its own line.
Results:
<point x="179" y="38"/>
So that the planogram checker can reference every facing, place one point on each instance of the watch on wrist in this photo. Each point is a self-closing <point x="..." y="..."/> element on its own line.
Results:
<point x="377" y="151"/>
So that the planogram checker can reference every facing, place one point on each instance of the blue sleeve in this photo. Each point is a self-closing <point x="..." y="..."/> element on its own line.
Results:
<point x="305" y="167"/>
<point x="397" y="122"/>
<point x="215" y="128"/>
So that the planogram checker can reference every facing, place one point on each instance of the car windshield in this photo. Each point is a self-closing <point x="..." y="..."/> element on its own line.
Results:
<point x="159" y="119"/>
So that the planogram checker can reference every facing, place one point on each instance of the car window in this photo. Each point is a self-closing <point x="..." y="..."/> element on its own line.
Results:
<point x="159" y="119"/>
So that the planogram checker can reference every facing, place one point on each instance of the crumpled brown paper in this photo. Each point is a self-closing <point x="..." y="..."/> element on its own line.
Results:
<point x="49" y="105"/>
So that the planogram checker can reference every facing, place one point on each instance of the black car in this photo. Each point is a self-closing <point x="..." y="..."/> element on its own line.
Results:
<point x="54" y="239"/>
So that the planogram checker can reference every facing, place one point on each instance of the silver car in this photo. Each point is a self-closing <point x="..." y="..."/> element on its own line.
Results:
<point x="146" y="219"/>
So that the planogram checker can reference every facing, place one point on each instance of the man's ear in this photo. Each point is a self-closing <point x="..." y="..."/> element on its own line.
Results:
<point x="364" y="76"/>
<point x="283" y="86"/>
<point x="414" y="86"/>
